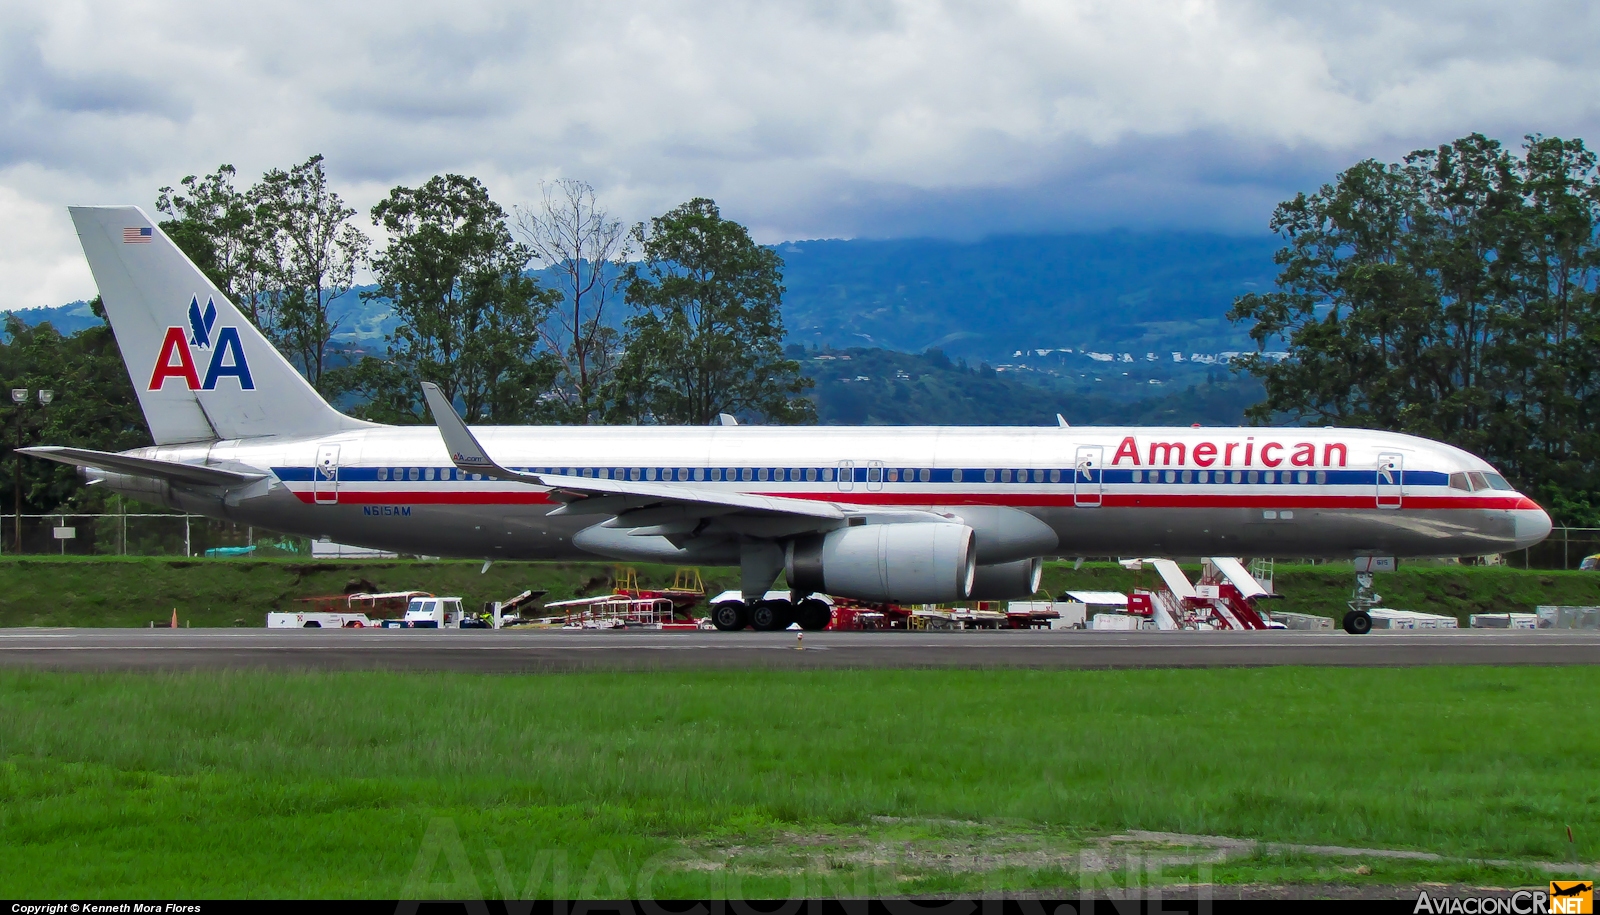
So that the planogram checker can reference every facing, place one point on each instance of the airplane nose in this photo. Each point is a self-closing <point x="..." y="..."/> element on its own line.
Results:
<point x="1532" y="526"/>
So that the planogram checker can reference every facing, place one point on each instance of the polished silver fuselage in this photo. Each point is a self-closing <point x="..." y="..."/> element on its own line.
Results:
<point x="1103" y="491"/>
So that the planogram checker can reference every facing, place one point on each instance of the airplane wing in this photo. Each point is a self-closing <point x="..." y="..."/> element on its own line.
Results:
<point x="143" y="467"/>
<point x="585" y="495"/>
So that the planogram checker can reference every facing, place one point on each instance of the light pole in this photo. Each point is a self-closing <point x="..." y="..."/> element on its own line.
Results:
<point x="19" y="396"/>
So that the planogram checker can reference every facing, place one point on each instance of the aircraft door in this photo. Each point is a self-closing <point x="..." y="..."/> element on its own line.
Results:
<point x="1391" y="479"/>
<point x="1086" y="483"/>
<point x="325" y="477"/>
<point x="874" y="475"/>
<point x="847" y="476"/>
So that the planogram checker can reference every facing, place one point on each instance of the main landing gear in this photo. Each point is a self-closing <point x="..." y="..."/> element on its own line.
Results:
<point x="730" y="615"/>
<point x="812" y="614"/>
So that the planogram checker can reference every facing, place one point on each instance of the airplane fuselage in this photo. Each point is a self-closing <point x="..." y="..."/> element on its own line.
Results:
<point x="1101" y="491"/>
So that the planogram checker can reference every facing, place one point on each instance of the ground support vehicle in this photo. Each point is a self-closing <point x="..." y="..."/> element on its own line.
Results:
<point x="429" y="613"/>
<point x="318" y="619"/>
<point x="358" y="610"/>
<point x="957" y="618"/>
<point x="685" y="593"/>
<point x="613" y="611"/>
<point x="1224" y="598"/>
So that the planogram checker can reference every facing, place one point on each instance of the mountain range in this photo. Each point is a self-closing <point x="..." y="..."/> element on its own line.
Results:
<point x="1155" y="291"/>
<point x="1118" y="290"/>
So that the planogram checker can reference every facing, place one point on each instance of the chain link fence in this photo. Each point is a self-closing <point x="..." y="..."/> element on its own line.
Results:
<point x="1565" y="548"/>
<point x="142" y="534"/>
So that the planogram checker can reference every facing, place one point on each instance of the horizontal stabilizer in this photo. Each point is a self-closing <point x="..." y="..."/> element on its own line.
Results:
<point x="143" y="467"/>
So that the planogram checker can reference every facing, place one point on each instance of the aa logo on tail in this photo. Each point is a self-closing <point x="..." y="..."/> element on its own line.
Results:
<point x="181" y="352"/>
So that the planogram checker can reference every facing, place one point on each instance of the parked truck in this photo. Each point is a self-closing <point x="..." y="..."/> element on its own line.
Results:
<point x="429" y="613"/>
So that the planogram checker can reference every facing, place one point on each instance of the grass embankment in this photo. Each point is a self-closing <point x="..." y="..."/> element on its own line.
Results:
<point x="74" y="591"/>
<point x="133" y="591"/>
<point x="770" y="783"/>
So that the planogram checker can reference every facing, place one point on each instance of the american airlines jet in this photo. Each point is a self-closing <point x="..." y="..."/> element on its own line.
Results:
<point x="912" y="514"/>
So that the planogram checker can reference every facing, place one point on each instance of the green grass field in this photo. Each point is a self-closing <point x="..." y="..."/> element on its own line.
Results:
<point x="769" y="783"/>
<point x="84" y="591"/>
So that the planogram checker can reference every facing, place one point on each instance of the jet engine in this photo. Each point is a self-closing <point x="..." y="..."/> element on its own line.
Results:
<point x="1007" y="580"/>
<point x="913" y="562"/>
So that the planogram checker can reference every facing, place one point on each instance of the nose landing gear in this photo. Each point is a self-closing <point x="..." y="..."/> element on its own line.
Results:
<point x="1358" y="621"/>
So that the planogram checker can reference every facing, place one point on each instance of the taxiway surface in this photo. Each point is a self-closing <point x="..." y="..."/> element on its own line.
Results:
<point x="514" y="651"/>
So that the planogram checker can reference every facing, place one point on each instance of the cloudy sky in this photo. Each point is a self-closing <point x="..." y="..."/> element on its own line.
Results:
<point x="813" y="119"/>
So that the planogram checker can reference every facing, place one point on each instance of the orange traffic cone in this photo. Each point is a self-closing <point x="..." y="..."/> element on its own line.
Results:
<point x="174" y="617"/>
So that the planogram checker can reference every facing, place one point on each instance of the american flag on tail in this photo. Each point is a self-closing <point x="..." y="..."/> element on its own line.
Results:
<point x="139" y="236"/>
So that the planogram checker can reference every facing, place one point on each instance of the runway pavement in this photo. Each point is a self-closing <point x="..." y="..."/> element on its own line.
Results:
<point x="516" y="651"/>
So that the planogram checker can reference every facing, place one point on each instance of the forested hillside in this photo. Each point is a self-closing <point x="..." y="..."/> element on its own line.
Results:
<point x="884" y="387"/>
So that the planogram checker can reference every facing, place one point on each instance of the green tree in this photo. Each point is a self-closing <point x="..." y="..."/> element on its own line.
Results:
<point x="214" y="223"/>
<point x="308" y="252"/>
<point x="469" y="315"/>
<point x="94" y="407"/>
<point x="1451" y="295"/>
<point x="707" y="337"/>
<point x="282" y="251"/>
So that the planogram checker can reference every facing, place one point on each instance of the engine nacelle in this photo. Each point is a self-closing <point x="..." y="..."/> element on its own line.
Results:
<point x="1008" y="580"/>
<point x="916" y="562"/>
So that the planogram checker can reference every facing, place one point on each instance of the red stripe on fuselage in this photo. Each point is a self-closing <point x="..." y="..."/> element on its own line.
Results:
<point x="1014" y="500"/>
<point x="358" y="497"/>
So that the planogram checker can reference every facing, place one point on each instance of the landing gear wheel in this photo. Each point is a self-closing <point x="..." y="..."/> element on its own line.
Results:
<point x="771" y="615"/>
<point x="730" y="615"/>
<point x="813" y="615"/>
<point x="1358" y="622"/>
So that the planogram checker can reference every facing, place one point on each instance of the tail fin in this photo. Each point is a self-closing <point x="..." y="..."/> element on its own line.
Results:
<point x="201" y="369"/>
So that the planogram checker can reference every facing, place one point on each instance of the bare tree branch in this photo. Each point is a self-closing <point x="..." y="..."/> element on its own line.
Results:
<point x="571" y="234"/>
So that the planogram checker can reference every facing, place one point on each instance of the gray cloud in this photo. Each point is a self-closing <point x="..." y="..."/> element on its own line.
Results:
<point x="825" y="118"/>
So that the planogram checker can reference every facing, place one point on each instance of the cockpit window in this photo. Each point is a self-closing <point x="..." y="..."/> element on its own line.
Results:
<point x="1478" y="482"/>
<point x="1497" y="481"/>
<point x="1459" y="481"/>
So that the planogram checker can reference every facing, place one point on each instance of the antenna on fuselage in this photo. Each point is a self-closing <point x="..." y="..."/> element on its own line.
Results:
<point x="1062" y="421"/>
<point x="727" y="419"/>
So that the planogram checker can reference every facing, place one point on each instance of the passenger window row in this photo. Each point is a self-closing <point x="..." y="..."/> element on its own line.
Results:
<point x="879" y="474"/>
<point x="415" y="474"/>
<point x="1230" y="476"/>
<point x="1467" y="482"/>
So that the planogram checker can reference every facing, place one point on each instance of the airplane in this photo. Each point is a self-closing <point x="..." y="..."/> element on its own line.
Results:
<point x="905" y="514"/>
